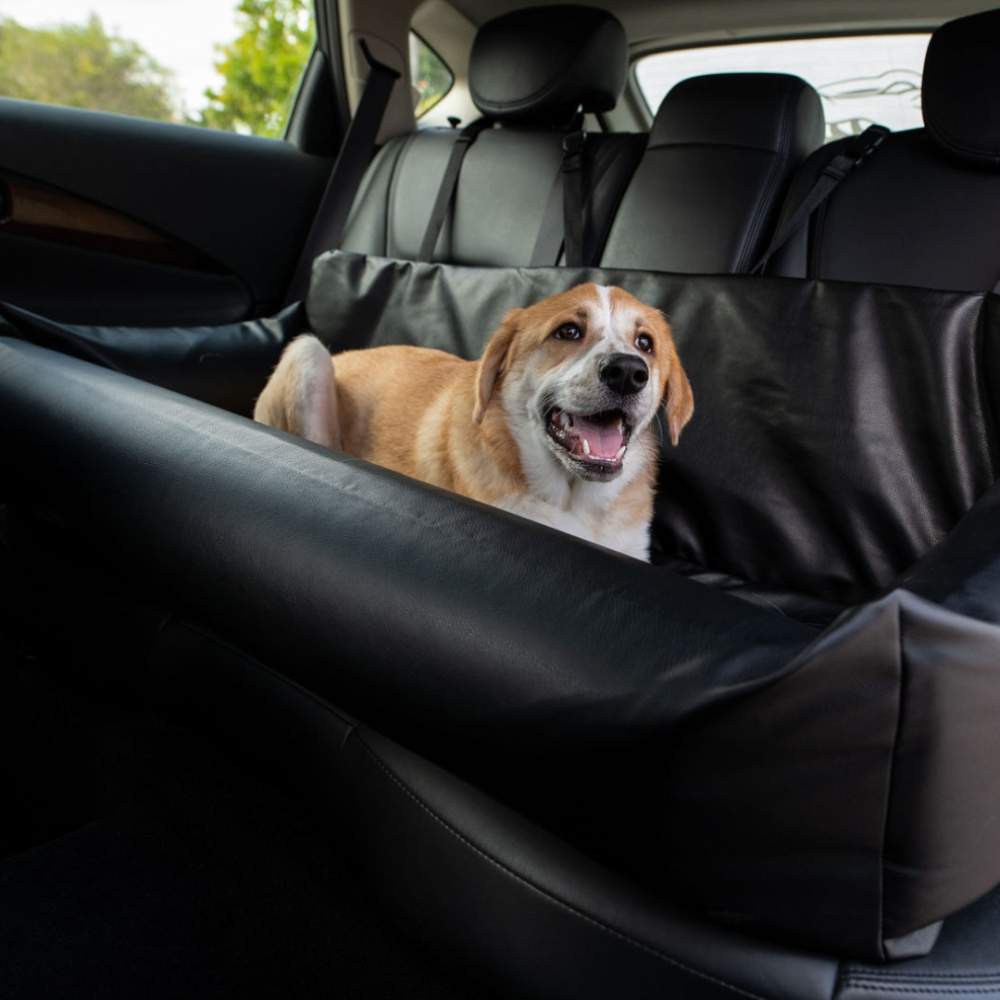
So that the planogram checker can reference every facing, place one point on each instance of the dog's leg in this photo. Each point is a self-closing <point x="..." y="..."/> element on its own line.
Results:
<point x="300" y="396"/>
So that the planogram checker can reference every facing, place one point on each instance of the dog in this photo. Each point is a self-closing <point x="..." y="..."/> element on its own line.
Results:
<point x="555" y="422"/>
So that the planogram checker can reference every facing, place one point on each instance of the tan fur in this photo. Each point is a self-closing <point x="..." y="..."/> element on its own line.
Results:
<point x="440" y="419"/>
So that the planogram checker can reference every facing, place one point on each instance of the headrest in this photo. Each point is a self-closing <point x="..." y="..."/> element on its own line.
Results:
<point x="775" y="112"/>
<point x="542" y="63"/>
<point x="961" y="87"/>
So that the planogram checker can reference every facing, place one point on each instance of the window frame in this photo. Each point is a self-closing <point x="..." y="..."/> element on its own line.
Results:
<point x="437" y="55"/>
<point x="649" y="113"/>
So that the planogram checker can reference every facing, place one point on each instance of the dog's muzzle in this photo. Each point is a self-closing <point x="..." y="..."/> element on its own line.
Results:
<point x="596" y="442"/>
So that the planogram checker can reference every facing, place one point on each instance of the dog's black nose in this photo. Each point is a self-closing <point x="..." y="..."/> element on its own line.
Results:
<point x="625" y="373"/>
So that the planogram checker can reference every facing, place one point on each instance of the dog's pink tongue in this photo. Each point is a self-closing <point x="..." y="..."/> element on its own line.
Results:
<point x="603" y="440"/>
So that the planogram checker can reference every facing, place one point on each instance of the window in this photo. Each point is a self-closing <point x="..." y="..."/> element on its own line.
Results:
<point x="227" y="64"/>
<point x="431" y="77"/>
<point x="862" y="80"/>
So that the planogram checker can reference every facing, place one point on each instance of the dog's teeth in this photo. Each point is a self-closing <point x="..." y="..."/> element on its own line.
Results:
<point x="586" y="447"/>
<point x="621" y="426"/>
<point x="621" y="454"/>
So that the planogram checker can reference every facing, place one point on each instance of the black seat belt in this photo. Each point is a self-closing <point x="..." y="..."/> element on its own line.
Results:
<point x="574" y="221"/>
<point x="446" y="192"/>
<point x="355" y="154"/>
<point x="563" y="226"/>
<point x="854" y="154"/>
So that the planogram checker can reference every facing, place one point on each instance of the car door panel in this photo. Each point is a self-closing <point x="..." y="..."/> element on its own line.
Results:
<point x="111" y="219"/>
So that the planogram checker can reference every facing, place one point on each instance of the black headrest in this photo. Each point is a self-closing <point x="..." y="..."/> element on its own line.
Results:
<point x="961" y="87"/>
<point x="542" y="63"/>
<point x="775" y="112"/>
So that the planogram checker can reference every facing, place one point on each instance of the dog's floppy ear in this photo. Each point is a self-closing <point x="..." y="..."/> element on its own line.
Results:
<point x="678" y="398"/>
<point x="492" y="362"/>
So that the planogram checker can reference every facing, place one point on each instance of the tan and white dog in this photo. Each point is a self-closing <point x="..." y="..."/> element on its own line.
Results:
<point x="554" y="422"/>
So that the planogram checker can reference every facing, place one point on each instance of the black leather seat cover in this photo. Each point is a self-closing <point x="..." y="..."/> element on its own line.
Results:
<point x="223" y="365"/>
<point x="559" y="926"/>
<point x="925" y="208"/>
<point x="721" y="152"/>
<point x="840" y="432"/>
<point x="308" y="556"/>
<point x="529" y="71"/>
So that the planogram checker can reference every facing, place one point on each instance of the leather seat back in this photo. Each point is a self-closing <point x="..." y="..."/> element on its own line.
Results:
<point x="721" y="152"/>
<point x="839" y="432"/>
<point x="925" y="208"/>
<point x="529" y="72"/>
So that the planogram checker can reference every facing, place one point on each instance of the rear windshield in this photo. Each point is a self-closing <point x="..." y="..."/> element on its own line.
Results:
<point x="862" y="79"/>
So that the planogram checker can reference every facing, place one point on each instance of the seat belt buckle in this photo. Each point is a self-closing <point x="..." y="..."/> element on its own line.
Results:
<point x="860" y="150"/>
<point x="868" y="142"/>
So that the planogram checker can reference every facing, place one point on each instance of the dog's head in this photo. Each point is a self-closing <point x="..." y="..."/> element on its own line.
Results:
<point x="585" y="372"/>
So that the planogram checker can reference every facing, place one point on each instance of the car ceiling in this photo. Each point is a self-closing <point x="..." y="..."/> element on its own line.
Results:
<point x="651" y="24"/>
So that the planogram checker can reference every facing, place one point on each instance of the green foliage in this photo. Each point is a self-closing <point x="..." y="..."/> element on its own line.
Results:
<point x="261" y="67"/>
<point x="82" y="66"/>
<point x="430" y="75"/>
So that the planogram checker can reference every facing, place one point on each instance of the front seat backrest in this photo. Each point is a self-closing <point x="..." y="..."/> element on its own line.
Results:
<point x="721" y="152"/>
<point x="924" y="209"/>
<point x="529" y="72"/>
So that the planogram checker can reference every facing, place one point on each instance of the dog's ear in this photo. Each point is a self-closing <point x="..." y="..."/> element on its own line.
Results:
<point x="678" y="398"/>
<point x="492" y="362"/>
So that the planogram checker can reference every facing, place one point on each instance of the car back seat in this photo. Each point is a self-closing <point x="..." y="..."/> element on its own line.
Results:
<point x="924" y="209"/>
<point x="530" y="72"/>
<point x="721" y="152"/>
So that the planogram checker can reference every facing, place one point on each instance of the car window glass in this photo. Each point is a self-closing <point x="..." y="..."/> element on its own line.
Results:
<point x="863" y="79"/>
<point x="226" y="64"/>
<point x="431" y="77"/>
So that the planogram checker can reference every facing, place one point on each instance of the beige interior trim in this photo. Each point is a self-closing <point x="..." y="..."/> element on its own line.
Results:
<point x="450" y="33"/>
<point x="385" y="27"/>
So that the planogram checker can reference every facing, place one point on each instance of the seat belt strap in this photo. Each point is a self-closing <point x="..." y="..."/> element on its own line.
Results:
<point x="563" y="224"/>
<point x="449" y="182"/>
<point x="549" y="243"/>
<point x="574" y="206"/>
<point x="355" y="154"/>
<point x="833" y="174"/>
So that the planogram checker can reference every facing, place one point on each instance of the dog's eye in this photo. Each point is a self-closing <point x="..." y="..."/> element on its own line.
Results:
<point x="645" y="343"/>
<point x="568" y="331"/>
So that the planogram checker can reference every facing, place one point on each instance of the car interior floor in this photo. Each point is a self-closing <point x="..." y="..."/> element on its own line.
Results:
<point x="136" y="859"/>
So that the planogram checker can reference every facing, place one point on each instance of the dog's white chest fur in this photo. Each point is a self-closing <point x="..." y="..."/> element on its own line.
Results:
<point x="588" y="510"/>
<point x="591" y="523"/>
<point x="566" y="439"/>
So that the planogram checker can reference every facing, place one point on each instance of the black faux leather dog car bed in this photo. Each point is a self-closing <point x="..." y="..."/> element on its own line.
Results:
<point x="807" y="747"/>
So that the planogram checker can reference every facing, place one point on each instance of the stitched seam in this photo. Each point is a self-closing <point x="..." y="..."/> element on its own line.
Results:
<point x="985" y="388"/>
<point x="889" y="778"/>
<point x="390" y="201"/>
<point x="282" y="678"/>
<point x="817" y="223"/>
<point x="923" y="990"/>
<point x="957" y="978"/>
<point x="544" y="893"/>
<point x="659" y="144"/>
<point x="743" y="258"/>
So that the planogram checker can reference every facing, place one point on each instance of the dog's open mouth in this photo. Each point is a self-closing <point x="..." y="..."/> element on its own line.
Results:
<point x="596" y="440"/>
